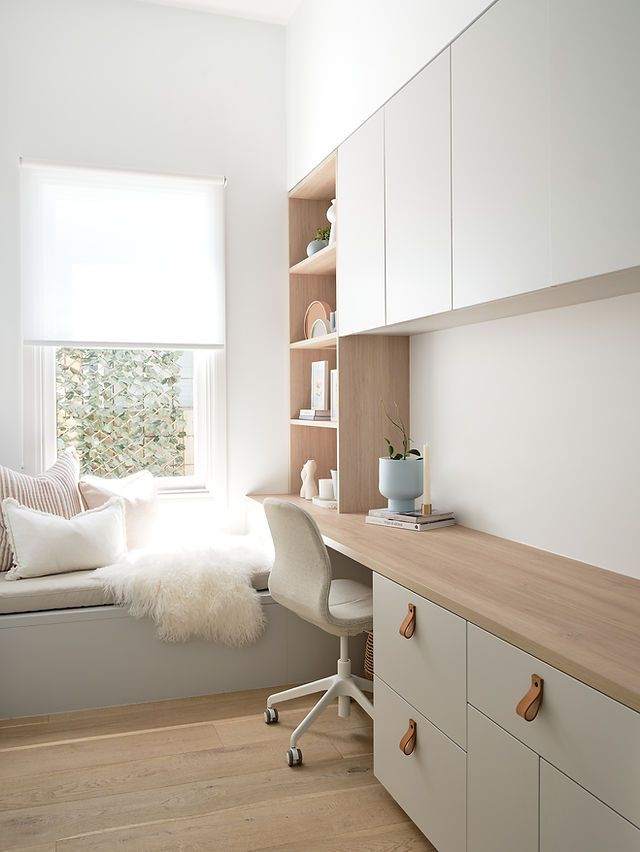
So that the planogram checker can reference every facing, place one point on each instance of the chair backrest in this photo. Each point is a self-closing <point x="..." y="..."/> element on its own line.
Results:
<point x="301" y="573"/>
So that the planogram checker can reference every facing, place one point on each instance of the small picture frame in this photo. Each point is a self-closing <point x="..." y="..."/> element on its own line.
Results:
<point x="319" y="385"/>
<point x="334" y="394"/>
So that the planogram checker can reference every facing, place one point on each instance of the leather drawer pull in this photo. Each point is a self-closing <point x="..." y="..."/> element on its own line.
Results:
<point x="528" y="706"/>
<point x="408" y="742"/>
<point x="409" y="624"/>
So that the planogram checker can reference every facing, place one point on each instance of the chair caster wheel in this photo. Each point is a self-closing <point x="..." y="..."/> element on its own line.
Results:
<point x="270" y="716"/>
<point x="294" y="757"/>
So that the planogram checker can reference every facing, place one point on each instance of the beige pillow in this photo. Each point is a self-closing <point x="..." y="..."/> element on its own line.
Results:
<point x="48" y="544"/>
<point x="55" y="492"/>
<point x="140" y="497"/>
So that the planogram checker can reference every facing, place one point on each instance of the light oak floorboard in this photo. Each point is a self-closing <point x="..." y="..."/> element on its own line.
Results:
<point x="98" y="751"/>
<point x="400" y="837"/>
<point x="50" y="822"/>
<point x="198" y="774"/>
<point x="245" y="829"/>
<point x="137" y="717"/>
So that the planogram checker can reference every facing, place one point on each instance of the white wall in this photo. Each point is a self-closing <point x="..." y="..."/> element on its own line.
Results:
<point x="118" y="83"/>
<point x="345" y="58"/>
<point x="534" y="427"/>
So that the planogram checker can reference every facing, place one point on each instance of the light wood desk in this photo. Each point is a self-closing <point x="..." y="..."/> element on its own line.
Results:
<point x="581" y="619"/>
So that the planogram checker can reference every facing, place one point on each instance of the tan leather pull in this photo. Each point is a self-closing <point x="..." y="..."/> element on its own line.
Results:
<point x="528" y="706"/>
<point x="408" y="742"/>
<point x="409" y="624"/>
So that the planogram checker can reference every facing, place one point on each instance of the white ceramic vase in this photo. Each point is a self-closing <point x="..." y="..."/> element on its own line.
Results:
<point x="400" y="481"/>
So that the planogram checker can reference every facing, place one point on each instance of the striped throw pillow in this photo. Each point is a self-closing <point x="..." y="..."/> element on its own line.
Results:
<point x="55" y="492"/>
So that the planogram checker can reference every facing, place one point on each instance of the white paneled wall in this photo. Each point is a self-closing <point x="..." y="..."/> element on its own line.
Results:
<point x="533" y="423"/>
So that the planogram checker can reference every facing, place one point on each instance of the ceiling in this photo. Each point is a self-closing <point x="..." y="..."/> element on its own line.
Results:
<point x="273" y="11"/>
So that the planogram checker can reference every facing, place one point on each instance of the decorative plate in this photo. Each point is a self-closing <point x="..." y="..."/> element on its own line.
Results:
<point x="316" y="310"/>
<point x="320" y="328"/>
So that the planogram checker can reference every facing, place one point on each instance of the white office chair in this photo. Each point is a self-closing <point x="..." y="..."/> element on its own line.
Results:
<point x="301" y="579"/>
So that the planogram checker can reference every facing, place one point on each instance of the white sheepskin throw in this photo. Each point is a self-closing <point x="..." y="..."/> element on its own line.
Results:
<point x="205" y="594"/>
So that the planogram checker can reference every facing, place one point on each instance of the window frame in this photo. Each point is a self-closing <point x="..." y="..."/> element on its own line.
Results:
<point x="39" y="410"/>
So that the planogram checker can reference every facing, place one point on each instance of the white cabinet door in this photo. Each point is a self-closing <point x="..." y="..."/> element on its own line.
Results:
<point x="502" y="790"/>
<point x="360" y="278"/>
<point x="418" y="195"/>
<point x="572" y="820"/>
<point x="429" y="670"/>
<point x="429" y="783"/>
<point x="595" y="134"/>
<point x="500" y="154"/>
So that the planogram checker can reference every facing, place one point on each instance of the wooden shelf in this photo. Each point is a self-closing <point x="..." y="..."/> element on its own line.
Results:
<point x="326" y="341"/>
<point x="323" y="262"/>
<point x="320" y="184"/>
<point x="323" y="424"/>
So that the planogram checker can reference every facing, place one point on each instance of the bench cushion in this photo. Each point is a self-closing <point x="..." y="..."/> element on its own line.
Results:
<point x="55" y="591"/>
<point x="65" y="591"/>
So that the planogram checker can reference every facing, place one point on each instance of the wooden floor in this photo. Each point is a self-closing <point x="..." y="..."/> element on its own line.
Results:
<point x="194" y="774"/>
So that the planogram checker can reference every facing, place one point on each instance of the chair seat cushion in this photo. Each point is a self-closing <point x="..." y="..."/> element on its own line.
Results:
<point x="351" y="605"/>
<point x="66" y="591"/>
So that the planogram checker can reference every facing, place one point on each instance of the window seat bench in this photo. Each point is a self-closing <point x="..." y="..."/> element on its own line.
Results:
<point x="83" y="652"/>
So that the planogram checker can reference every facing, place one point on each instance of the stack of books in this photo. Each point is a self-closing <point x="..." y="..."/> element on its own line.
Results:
<point x="411" y="520"/>
<point x="314" y="414"/>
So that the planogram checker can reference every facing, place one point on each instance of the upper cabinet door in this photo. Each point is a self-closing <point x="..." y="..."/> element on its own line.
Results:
<point x="360" y="281"/>
<point x="500" y="159"/>
<point x="418" y="195"/>
<point x="595" y="137"/>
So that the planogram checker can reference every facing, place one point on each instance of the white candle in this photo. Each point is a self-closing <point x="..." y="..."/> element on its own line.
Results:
<point x="426" y="496"/>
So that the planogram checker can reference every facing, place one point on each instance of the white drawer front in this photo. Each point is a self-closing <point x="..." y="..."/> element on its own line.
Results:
<point x="429" y="669"/>
<point x="582" y="732"/>
<point x="430" y="783"/>
<point x="572" y="819"/>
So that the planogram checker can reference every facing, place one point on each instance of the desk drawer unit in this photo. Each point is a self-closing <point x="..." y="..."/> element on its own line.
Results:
<point x="571" y="818"/>
<point x="428" y="668"/>
<point x="429" y="782"/>
<point x="586" y="735"/>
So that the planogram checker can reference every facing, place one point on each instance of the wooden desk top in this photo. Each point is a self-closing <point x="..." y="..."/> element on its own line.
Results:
<point x="581" y="619"/>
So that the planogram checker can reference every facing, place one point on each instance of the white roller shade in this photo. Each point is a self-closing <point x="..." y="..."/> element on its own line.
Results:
<point x="121" y="258"/>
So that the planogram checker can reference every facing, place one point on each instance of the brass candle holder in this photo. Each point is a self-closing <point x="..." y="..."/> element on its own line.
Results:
<point x="427" y="508"/>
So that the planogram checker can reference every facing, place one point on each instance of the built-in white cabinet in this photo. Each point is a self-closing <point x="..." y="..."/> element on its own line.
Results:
<point x="500" y="154"/>
<point x="507" y="166"/>
<point x="545" y="763"/>
<point x="427" y="778"/>
<point x="418" y="195"/>
<point x="595" y="133"/>
<point x="428" y="666"/>
<point x="360" y="244"/>
<point x="572" y="819"/>
<point x="502" y="790"/>
<point x="589" y="736"/>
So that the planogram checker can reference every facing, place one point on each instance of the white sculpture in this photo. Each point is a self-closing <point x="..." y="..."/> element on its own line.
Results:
<point x="308" y="475"/>
<point x="331" y="216"/>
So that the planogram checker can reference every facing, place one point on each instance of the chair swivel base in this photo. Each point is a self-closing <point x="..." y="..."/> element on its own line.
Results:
<point x="344" y="686"/>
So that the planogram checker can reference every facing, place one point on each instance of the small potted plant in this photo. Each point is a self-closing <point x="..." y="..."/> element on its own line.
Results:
<point x="320" y="241"/>
<point x="401" y="470"/>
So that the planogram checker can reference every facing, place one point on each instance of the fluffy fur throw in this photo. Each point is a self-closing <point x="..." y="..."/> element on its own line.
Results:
<point x="204" y="594"/>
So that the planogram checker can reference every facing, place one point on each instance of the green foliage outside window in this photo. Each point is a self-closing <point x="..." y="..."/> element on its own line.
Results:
<point x="121" y="409"/>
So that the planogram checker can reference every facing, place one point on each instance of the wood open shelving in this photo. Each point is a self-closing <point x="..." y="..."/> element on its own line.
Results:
<point x="323" y="262"/>
<point x="326" y="341"/>
<point x="370" y="367"/>
<point x="323" y="424"/>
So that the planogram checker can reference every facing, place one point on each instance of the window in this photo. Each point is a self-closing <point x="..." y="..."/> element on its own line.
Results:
<point x="123" y="310"/>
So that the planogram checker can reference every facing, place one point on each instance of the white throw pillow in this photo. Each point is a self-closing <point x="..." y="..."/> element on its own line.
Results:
<point x="48" y="544"/>
<point x="140" y="503"/>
